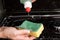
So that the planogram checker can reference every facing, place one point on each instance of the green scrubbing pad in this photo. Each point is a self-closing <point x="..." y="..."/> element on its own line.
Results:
<point x="35" y="28"/>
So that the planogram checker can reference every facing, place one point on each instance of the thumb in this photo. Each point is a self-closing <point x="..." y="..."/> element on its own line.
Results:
<point x="21" y="32"/>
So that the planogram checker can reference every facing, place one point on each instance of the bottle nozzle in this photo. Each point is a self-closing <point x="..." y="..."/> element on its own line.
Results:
<point x="28" y="9"/>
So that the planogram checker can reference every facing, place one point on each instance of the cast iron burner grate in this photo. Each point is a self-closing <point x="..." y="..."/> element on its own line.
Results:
<point x="49" y="32"/>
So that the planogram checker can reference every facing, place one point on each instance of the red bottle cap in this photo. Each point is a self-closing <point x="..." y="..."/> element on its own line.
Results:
<point x="28" y="9"/>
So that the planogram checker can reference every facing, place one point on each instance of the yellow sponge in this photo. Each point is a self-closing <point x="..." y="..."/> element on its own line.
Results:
<point x="38" y="32"/>
<point x="35" y="28"/>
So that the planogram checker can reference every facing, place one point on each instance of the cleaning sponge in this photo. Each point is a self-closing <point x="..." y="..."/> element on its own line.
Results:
<point x="35" y="28"/>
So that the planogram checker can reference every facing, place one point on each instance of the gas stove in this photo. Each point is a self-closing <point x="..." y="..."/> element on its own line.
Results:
<point x="43" y="11"/>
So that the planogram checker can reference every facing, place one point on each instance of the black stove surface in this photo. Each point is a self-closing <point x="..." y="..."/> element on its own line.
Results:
<point x="43" y="11"/>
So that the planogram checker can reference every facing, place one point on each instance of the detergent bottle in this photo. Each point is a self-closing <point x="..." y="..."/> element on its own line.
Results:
<point x="27" y="5"/>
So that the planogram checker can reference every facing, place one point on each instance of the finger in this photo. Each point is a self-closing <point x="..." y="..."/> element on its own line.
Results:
<point x="21" y="32"/>
<point x="33" y="0"/>
<point x="32" y="37"/>
<point x="25" y="35"/>
<point x="19" y="38"/>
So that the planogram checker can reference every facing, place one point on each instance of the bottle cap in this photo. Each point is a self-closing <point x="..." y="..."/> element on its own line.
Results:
<point x="28" y="9"/>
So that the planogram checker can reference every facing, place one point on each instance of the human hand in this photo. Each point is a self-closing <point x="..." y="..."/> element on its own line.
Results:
<point x="15" y="34"/>
<point x="33" y="0"/>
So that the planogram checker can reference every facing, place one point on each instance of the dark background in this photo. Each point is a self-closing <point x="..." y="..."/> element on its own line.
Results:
<point x="14" y="5"/>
